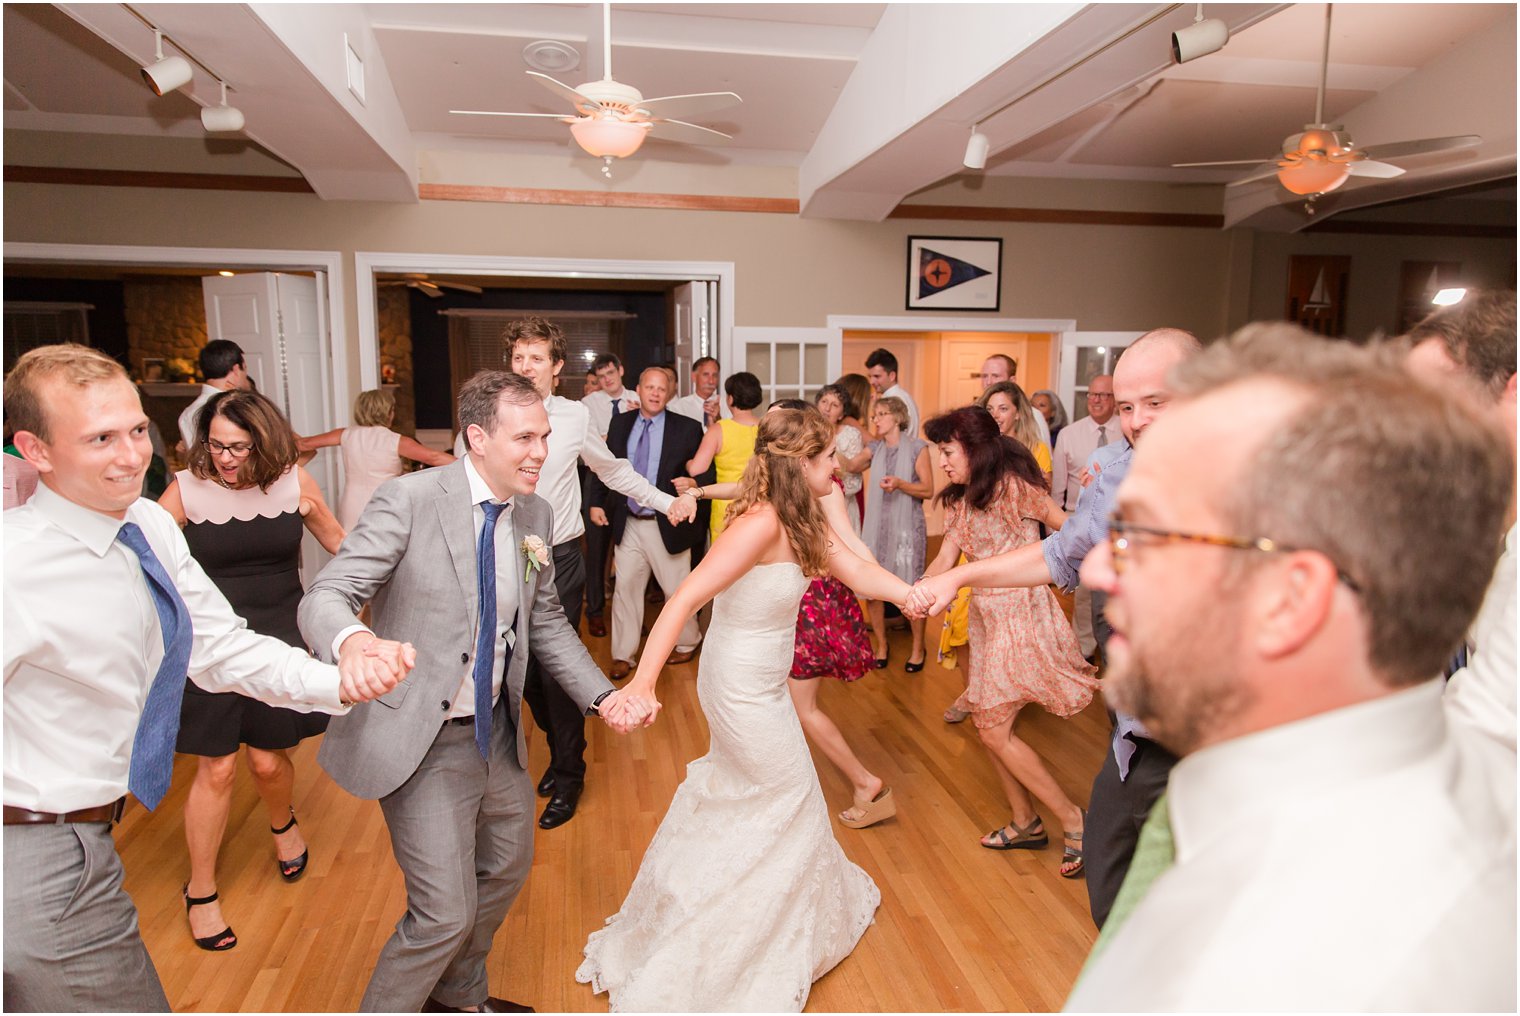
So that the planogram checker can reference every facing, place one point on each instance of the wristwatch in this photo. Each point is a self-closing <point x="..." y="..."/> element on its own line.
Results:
<point x="595" y="709"/>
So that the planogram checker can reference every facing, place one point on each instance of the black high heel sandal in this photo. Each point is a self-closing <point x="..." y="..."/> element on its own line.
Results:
<point x="211" y="943"/>
<point x="293" y="869"/>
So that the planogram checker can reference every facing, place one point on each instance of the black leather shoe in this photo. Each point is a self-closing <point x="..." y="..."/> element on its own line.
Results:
<point x="561" y="808"/>
<point x="546" y="785"/>
<point x="491" y="1004"/>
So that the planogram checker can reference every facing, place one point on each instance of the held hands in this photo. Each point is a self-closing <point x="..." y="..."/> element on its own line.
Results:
<point x="629" y="708"/>
<point x="930" y="595"/>
<point x="597" y="516"/>
<point x="368" y="667"/>
<point x="683" y="510"/>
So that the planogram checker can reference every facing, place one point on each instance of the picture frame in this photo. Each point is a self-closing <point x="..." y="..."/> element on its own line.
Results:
<point x="954" y="273"/>
<point x="152" y="369"/>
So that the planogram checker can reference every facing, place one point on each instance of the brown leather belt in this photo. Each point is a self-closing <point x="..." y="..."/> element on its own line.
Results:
<point x="107" y="813"/>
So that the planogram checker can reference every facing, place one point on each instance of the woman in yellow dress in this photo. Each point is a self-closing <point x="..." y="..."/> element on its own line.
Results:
<point x="729" y="444"/>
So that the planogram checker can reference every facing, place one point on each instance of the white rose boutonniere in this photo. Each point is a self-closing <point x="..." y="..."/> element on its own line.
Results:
<point x="536" y="554"/>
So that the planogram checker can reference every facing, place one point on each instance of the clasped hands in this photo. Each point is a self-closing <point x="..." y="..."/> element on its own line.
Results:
<point x="930" y="595"/>
<point x="628" y="709"/>
<point x="369" y="666"/>
<point x="684" y="509"/>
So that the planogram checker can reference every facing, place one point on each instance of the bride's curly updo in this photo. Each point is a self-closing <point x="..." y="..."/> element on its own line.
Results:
<point x="774" y="476"/>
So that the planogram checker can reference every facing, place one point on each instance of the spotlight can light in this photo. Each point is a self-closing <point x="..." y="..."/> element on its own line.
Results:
<point x="167" y="73"/>
<point x="976" y="151"/>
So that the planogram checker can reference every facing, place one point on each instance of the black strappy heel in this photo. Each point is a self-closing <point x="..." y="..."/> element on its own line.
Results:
<point x="293" y="869"/>
<point x="211" y="943"/>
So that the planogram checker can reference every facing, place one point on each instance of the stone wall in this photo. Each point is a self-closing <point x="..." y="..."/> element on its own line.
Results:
<point x="166" y="318"/>
<point x="395" y="323"/>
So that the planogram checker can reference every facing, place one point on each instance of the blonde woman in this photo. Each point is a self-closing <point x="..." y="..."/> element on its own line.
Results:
<point x="895" y="527"/>
<point x="1014" y="414"/>
<point x="372" y="452"/>
<point x="744" y="896"/>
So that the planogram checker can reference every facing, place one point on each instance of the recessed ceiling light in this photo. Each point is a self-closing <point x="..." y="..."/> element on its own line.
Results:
<point x="550" y="57"/>
<point x="226" y="274"/>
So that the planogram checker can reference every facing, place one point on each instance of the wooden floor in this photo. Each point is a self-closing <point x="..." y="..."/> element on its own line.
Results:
<point x="960" y="928"/>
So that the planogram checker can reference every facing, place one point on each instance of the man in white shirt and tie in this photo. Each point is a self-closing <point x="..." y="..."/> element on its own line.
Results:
<point x="1078" y="440"/>
<point x="703" y="404"/>
<point x="881" y="371"/>
<point x="1326" y="842"/>
<point x="223" y="369"/>
<point x="611" y="398"/>
<point x="105" y="614"/>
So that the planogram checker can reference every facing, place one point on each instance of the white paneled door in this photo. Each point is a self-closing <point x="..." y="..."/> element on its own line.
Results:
<point x="279" y="320"/>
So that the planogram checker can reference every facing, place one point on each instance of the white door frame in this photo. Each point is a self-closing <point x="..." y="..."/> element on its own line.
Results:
<point x="329" y="262"/>
<point x="368" y="263"/>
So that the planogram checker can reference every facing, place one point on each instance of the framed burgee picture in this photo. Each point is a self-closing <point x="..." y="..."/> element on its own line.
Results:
<point x="954" y="272"/>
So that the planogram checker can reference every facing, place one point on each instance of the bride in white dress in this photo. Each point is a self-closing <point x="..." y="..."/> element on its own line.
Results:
<point x="744" y="898"/>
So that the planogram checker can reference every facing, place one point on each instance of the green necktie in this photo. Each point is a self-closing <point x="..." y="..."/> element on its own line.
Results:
<point x="1154" y="853"/>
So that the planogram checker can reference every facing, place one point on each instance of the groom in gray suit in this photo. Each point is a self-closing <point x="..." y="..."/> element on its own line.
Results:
<point x="444" y="752"/>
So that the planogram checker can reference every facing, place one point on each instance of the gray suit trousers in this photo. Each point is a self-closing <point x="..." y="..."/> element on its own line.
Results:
<point x="462" y="831"/>
<point x="71" y="938"/>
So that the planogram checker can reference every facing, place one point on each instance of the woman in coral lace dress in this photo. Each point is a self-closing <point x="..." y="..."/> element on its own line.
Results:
<point x="1022" y="649"/>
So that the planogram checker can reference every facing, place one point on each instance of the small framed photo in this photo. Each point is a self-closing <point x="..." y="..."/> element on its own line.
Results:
<point x="954" y="272"/>
<point x="152" y="369"/>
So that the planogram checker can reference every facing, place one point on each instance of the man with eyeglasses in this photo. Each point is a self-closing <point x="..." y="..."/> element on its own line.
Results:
<point x="1327" y="842"/>
<point x="1135" y="770"/>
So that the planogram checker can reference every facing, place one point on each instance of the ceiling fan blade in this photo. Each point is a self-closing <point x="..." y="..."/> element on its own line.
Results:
<point x="667" y="106"/>
<point x="1399" y="149"/>
<point x="463" y="287"/>
<point x="1374" y="170"/>
<point x="686" y="133"/>
<point x="565" y="92"/>
<point x="428" y="288"/>
<point x="492" y="112"/>
<point x="1231" y="162"/>
<point x="1265" y="171"/>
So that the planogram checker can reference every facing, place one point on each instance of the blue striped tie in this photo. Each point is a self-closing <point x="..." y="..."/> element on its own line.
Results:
<point x="485" y="641"/>
<point x="153" y="745"/>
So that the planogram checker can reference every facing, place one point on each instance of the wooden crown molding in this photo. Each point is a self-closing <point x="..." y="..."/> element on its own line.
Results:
<point x="174" y="181"/>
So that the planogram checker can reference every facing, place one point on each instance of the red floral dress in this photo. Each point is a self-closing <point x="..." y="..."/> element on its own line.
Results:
<point x="831" y="633"/>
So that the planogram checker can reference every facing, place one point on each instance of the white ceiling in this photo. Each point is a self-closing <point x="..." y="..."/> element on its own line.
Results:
<point x="872" y="102"/>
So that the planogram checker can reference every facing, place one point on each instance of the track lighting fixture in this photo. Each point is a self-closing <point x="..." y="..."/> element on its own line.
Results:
<point x="166" y="73"/>
<point x="224" y="117"/>
<point x="1199" y="39"/>
<point x="976" y="150"/>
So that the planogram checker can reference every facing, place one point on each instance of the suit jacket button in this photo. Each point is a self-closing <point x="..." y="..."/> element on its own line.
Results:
<point x="445" y="705"/>
<point x="464" y="657"/>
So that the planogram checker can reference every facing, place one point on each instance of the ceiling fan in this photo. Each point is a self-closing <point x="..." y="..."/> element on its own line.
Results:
<point x="420" y="281"/>
<point x="1322" y="157"/>
<point x="614" y="119"/>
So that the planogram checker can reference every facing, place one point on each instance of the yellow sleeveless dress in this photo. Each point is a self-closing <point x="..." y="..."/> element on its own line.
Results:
<point x="738" y="448"/>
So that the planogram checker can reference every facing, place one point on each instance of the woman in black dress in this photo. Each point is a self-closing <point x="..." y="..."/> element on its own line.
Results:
<point x="243" y="502"/>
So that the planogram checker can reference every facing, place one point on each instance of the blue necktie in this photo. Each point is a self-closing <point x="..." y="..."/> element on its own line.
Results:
<point x="485" y="642"/>
<point x="153" y="745"/>
<point x="640" y="462"/>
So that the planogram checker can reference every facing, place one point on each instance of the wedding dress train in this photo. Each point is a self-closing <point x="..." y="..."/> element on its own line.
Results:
<point x="744" y="897"/>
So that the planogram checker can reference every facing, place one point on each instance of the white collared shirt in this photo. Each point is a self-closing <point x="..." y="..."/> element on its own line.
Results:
<point x="1359" y="860"/>
<point x="1481" y="695"/>
<point x="83" y="644"/>
<point x="693" y="407"/>
<point x="899" y="392"/>
<point x="187" y="418"/>
<point x="1074" y="446"/>
<point x="599" y="403"/>
<point x="509" y="569"/>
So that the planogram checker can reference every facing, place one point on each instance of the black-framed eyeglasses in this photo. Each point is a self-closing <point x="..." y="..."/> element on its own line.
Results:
<point x="1122" y="539"/>
<point x="238" y="449"/>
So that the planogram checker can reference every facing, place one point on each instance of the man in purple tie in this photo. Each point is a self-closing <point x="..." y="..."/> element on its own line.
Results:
<point x="106" y="613"/>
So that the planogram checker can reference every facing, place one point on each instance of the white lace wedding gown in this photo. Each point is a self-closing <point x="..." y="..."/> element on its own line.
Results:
<point x="744" y="897"/>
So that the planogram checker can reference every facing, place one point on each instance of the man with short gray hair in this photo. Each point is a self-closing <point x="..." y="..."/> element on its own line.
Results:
<point x="1326" y="842"/>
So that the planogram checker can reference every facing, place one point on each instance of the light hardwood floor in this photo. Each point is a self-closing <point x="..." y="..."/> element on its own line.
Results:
<point x="960" y="928"/>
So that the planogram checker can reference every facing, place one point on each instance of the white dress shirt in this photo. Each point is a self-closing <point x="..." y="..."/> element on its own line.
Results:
<point x="1481" y="695"/>
<point x="1359" y="860"/>
<point x="1075" y="444"/>
<point x="83" y="644"/>
<point x="692" y="407"/>
<point x="187" y="418"/>
<point x="570" y="438"/>
<point x="899" y="392"/>
<point x="600" y="405"/>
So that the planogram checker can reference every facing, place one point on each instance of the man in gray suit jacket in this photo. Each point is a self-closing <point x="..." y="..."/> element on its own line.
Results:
<point x="444" y="752"/>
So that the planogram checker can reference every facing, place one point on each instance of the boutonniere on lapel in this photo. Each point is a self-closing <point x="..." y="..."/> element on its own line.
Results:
<point x="536" y="555"/>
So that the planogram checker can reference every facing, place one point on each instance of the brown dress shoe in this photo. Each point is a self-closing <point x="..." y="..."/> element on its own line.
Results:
<point x="620" y="669"/>
<point x="491" y="1004"/>
<point x="595" y="626"/>
<point x="682" y="656"/>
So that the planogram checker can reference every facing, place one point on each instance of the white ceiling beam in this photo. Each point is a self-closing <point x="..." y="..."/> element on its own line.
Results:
<point x="930" y="71"/>
<point x="1469" y="90"/>
<point x="286" y="68"/>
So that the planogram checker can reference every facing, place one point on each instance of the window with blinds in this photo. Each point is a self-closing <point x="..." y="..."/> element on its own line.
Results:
<point x="30" y="325"/>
